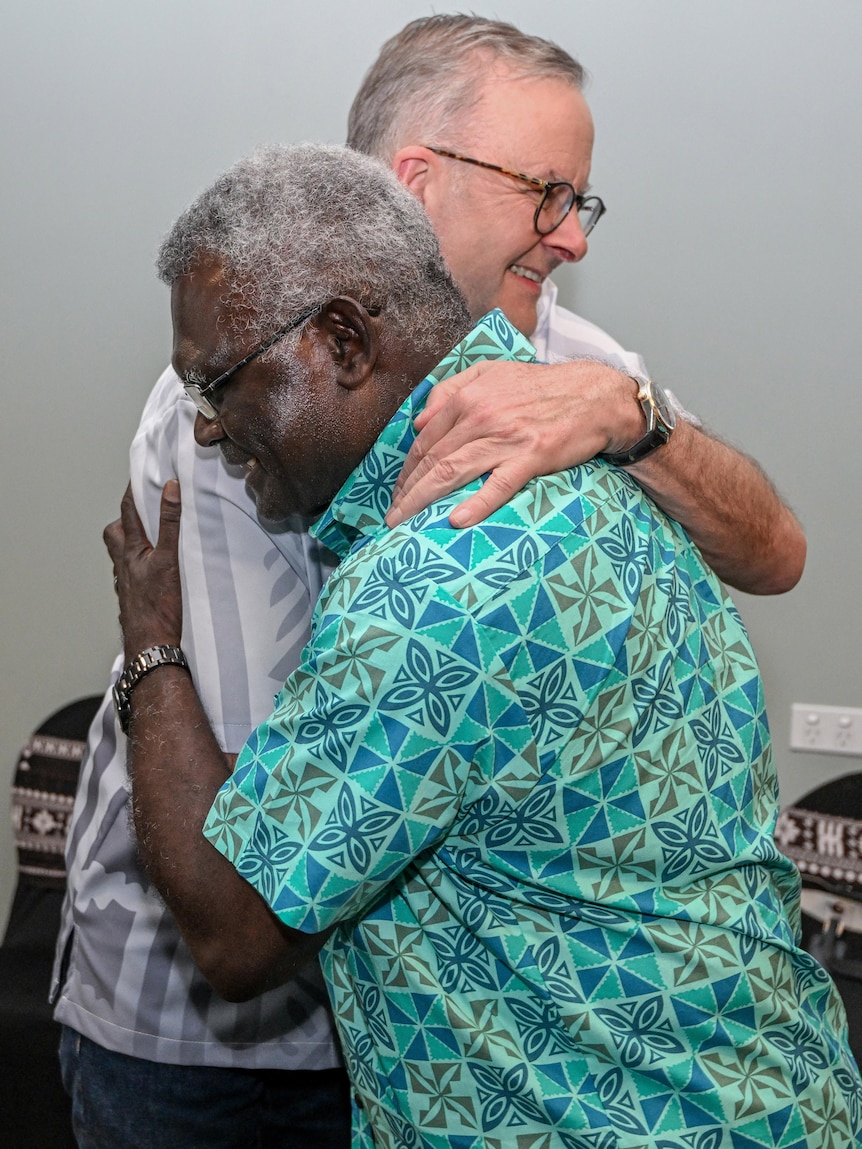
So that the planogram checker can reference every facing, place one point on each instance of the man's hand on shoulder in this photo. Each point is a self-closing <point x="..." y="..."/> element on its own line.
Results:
<point x="515" y="421"/>
<point x="512" y="421"/>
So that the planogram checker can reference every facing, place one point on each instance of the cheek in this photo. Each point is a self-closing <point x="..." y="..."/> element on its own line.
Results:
<point x="302" y="434"/>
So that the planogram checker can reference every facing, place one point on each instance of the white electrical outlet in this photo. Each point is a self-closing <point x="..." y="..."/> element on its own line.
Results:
<point x="826" y="729"/>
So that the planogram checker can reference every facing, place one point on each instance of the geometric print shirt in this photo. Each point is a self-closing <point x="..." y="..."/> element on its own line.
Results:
<point x="524" y="770"/>
<point x="123" y="975"/>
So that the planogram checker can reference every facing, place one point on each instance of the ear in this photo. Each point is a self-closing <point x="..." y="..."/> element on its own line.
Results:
<point x="347" y="333"/>
<point x="414" y="167"/>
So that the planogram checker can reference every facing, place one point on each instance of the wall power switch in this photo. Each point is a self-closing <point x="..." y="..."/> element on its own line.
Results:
<point x="826" y="729"/>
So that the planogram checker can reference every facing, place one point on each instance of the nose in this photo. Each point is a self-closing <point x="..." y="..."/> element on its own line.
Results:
<point x="568" y="240"/>
<point x="208" y="432"/>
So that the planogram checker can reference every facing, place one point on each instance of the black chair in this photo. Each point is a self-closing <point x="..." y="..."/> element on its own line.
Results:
<point x="34" y="1108"/>
<point x="822" y="833"/>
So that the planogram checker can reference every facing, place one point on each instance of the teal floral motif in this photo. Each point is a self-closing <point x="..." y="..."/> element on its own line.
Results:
<point x="719" y="750"/>
<point x="401" y="583"/>
<point x="523" y="781"/>
<point x="351" y="834"/>
<point x="551" y="705"/>
<point x="806" y="1060"/>
<point x="504" y="1098"/>
<point x="374" y="486"/>
<point x="428" y="689"/>
<point x="271" y="852"/>
<point x="359" y="1049"/>
<point x="641" y="1032"/>
<point x="625" y="548"/>
<point x="330" y="730"/>
<point x="464" y="962"/>
<point x="692" y="844"/>
<point x="542" y="1034"/>
<point x="529" y="823"/>
<point x="660" y="705"/>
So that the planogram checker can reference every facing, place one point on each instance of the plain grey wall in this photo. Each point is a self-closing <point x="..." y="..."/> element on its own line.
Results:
<point x="728" y="150"/>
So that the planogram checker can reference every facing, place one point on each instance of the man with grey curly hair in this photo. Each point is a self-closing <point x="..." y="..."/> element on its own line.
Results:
<point x="522" y="772"/>
<point x="372" y="240"/>
<point x="275" y="240"/>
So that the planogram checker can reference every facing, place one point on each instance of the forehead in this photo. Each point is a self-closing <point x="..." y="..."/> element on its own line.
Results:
<point x="199" y="313"/>
<point x="542" y="125"/>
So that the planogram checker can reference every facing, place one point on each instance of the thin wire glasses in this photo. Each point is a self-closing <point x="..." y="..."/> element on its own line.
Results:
<point x="201" y="395"/>
<point x="558" y="196"/>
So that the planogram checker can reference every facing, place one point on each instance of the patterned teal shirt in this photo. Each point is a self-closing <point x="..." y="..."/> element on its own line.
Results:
<point x="524" y="769"/>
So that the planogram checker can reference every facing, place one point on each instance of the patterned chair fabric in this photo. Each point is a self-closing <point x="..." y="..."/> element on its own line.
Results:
<point x="822" y="833"/>
<point x="34" y="1106"/>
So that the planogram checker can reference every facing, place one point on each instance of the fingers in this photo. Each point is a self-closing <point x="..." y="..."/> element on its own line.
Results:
<point x="440" y="395"/>
<point x="114" y="538"/>
<point x="126" y="531"/>
<point x="433" y="477"/>
<point x="459" y="431"/>
<point x="146" y="578"/>
<point x="441" y="432"/>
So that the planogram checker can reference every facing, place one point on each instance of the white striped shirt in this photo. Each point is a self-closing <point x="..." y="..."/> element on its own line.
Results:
<point x="131" y="984"/>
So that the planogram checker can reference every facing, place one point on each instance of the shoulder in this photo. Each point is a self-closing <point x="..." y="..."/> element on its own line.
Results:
<point x="398" y="571"/>
<point x="561" y="333"/>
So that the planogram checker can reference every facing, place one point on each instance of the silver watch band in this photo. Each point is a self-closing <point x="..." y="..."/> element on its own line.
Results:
<point x="141" y="665"/>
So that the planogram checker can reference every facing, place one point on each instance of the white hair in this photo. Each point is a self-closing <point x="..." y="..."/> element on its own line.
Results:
<point x="293" y="227"/>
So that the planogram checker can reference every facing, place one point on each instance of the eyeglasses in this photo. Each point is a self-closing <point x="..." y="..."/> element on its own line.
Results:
<point x="558" y="197"/>
<point x="201" y="396"/>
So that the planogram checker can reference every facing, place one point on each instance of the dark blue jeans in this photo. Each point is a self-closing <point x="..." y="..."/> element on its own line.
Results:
<point x="122" y="1102"/>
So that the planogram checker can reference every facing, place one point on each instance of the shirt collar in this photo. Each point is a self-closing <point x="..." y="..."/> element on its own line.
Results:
<point x="358" y="510"/>
<point x="544" y="310"/>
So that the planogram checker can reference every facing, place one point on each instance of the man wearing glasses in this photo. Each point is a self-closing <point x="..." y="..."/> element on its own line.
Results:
<point x="507" y="190"/>
<point x="489" y="128"/>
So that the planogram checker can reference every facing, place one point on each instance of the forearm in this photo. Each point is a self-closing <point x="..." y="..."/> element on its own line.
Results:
<point x="515" y="421"/>
<point x="746" y="533"/>
<point x="176" y="767"/>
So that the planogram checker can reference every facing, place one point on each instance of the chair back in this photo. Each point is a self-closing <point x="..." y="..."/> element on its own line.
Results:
<point x="43" y="794"/>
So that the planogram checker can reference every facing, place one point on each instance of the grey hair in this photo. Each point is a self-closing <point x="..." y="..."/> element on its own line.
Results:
<point x="429" y="77"/>
<point x="293" y="227"/>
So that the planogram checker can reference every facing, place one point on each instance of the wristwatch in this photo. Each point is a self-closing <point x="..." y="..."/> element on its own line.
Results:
<point x="140" y="665"/>
<point x="660" y="422"/>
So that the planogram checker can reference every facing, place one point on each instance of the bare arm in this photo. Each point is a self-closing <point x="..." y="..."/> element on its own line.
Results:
<point x="520" y="420"/>
<point x="747" y="534"/>
<point x="176" y="767"/>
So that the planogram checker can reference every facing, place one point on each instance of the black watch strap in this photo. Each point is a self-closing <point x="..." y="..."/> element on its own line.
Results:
<point x="140" y="665"/>
<point x="660" y="423"/>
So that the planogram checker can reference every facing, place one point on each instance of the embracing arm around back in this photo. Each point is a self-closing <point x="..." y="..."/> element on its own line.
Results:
<point x="518" y="420"/>
<point x="176" y="767"/>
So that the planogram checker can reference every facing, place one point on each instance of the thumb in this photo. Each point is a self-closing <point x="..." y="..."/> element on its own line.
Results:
<point x="169" y="517"/>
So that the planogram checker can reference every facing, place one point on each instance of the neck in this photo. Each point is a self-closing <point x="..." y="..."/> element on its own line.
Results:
<point x="408" y="365"/>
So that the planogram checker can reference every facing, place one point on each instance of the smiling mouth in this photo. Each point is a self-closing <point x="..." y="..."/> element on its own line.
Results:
<point x="527" y="273"/>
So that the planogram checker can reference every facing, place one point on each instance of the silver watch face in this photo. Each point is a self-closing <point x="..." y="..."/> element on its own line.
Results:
<point x="662" y="406"/>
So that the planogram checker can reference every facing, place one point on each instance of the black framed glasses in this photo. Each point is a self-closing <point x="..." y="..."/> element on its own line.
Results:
<point x="558" y="196"/>
<point x="201" y="394"/>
